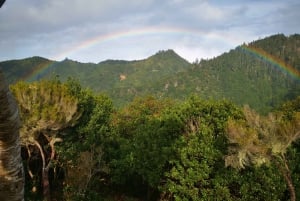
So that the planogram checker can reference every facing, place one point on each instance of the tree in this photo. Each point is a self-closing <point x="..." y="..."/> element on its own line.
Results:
<point x="46" y="109"/>
<point x="189" y="177"/>
<point x="261" y="140"/>
<point x="145" y="135"/>
<point x="11" y="169"/>
<point x="194" y="172"/>
<point x="84" y="153"/>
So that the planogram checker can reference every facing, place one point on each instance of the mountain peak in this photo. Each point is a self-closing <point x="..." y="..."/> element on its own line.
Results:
<point x="168" y="55"/>
<point x="235" y="75"/>
<point x="168" y="52"/>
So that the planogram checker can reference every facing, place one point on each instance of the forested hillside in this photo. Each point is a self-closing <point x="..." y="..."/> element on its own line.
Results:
<point x="190" y="139"/>
<point x="256" y="74"/>
<point x="243" y="76"/>
<point x="122" y="80"/>
<point x="16" y="70"/>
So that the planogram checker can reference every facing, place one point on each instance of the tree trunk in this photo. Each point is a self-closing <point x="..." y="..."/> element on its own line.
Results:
<point x="289" y="181"/>
<point x="45" y="172"/>
<point x="286" y="173"/>
<point x="11" y="169"/>
<point x="46" y="184"/>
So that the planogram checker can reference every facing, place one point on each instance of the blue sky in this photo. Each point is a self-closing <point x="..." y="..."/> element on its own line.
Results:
<point x="96" y="30"/>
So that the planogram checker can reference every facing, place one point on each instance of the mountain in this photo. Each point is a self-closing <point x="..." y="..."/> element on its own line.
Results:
<point x="16" y="70"/>
<point x="122" y="80"/>
<point x="262" y="73"/>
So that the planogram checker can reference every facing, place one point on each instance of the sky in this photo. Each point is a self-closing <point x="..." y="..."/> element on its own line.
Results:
<point x="97" y="30"/>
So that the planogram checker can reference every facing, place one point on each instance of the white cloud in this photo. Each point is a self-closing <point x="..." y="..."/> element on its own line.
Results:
<point x="207" y="12"/>
<point x="52" y="28"/>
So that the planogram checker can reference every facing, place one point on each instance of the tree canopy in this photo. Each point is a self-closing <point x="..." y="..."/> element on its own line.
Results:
<point x="78" y="146"/>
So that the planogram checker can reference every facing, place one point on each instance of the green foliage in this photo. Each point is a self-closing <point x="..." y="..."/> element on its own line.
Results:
<point x="289" y="110"/>
<point x="159" y="148"/>
<point x="254" y="183"/>
<point x="259" y="139"/>
<point x="83" y="152"/>
<point x="190" y="173"/>
<point x="238" y="75"/>
<point x="46" y="109"/>
<point x="21" y="70"/>
<point x="155" y="148"/>
<point x="96" y="110"/>
<point x="145" y="136"/>
<point x="242" y="77"/>
<point x="45" y="106"/>
<point x="263" y="140"/>
<point x="193" y="171"/>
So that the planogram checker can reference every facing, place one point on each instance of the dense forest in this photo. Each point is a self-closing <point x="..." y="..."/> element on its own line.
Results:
<point x="256" y="74"/>
<point x="77" y="146"/>
<point x="227" y="128"/>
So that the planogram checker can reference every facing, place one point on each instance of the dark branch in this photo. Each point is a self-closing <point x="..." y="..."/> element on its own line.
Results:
<point x="1" y="3"/>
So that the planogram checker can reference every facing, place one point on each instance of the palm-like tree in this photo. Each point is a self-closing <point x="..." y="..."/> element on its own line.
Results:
<point x="11" y="169"/>
<point x="260" y="140"/>
<point x="46" y="108"/>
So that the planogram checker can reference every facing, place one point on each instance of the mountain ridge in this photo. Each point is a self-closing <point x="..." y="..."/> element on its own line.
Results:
<point x="243" y="78"/>
<point x="233" y="75"/>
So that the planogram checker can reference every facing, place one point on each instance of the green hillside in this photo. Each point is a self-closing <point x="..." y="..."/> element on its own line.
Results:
<point x="16" y="70"/>
<point x="138" y="76"/>
<point x="242" y="76"/>
<point x="239" y="75"/>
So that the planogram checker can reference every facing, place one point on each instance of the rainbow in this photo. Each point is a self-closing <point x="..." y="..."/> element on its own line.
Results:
<point x="158" y="31"/>
<point x="154" y="31"/>
<point x="275" y="61"/>
<point x="38" y="70"/>
<point x="102" y="38"/>
<point x="145" y="31"/>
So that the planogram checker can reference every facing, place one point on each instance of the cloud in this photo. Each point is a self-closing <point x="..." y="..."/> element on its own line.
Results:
<point x="206" y="12"/>
<point x="42" y="15"/>
<point x="196" y="27"/>
<point x="285" y="18"/>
